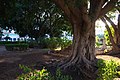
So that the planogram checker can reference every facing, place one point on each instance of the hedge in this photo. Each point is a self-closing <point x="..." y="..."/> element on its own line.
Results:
<point x="10" y="42"/>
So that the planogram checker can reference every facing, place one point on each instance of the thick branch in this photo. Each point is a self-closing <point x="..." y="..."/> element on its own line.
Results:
<point x="118" y="8"/>
<point x="111" y="22"/>
<point x="69" y="9"/>
<point x="119" y="22"/>
<point x="95" y="8"/>
<point x="63" y="6"/>
<point x="84" y="12"/>
<point x="110" y="5"/>
<point x="110" y="34"/>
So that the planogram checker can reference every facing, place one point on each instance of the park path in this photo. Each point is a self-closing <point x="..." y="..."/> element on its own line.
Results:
<point x="115" y="58"/>
<point x="2" y="49"/>
<point x="9" y="61"/>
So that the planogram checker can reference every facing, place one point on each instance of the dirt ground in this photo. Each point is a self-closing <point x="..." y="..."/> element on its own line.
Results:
<point x="9" y="61"/>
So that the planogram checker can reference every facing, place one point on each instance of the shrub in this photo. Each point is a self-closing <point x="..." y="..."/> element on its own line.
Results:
<point x="107" y="70"/>
<point x="59" y="76"/>
<point x="19" y="47"/>
<point x="65" y="43"/>
<point x="52" y="43"/>
<point x="41" y="74"/>
<point x="42" y="42"/>
<point x="10" y="42"/>
<point x="32" y="44"/>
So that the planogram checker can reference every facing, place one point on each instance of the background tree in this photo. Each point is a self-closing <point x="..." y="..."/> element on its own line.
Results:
<point x="114" y="39"/>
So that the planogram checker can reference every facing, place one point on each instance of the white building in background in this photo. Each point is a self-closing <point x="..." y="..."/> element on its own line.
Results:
<point x="100" y="27"/>
<point x="11" y="34"/>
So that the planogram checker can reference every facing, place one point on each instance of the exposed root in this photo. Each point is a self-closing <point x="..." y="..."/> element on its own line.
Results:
<point x="82" y="67"/>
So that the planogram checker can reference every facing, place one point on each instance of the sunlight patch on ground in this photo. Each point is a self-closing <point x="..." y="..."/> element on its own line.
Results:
<point x="58" y="49"/>
<point x="10" y="60"/>
<point x="107" y="57"/>
<point x="117" y="79"/>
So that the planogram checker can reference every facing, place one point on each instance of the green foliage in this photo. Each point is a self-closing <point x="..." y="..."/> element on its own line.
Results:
<point x="106" y="36"/>
<point x="59" y="76"/>
<point x="19" y="47"/>
<point x="107" y="70"/>
<point x="25" y="68"/>
<point x="65" y="43"/>
<point x="41" y="74"/>
<point x="10" y="42"/>
<point x="32" y="44"/>
<point x="34" y="18"/>
<point x="54" y="42"/>
<point x="42" y="42"/>
<point x="33" y="74"/>
<point x="97" y="44"/>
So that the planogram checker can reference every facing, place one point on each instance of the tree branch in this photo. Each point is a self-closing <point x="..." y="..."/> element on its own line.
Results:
<point x="111" y="22"/>
<point x="118" y="8"/>
<point x="110" y="5"/>
<point x="110" y="34"/>
<point x="63" y="6"/>
<point x="95" y="8"/>
<point x="84" y="12"/>
<point x="119" y="22"/>
<point x="72" y="11"/>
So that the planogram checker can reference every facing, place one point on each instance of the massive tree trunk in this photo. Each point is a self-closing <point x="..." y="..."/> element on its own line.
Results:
<point x="83" y="43"/>
<point x="83" y="50"/>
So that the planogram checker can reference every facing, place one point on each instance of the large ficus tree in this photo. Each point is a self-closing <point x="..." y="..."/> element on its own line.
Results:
<point x="82" y="15"/>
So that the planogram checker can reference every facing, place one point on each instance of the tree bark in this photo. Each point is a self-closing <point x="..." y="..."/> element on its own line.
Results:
<point x="118" y="31"/>
<point x="116" y="41"/>
<point x="83" y="50"/>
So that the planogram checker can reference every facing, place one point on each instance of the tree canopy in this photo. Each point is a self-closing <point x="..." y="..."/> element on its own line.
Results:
<point x="34" y="17"/>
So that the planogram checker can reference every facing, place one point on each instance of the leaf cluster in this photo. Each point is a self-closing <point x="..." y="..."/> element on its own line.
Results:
<point x="107" y="70"/>
<point x="41" y="74"/>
